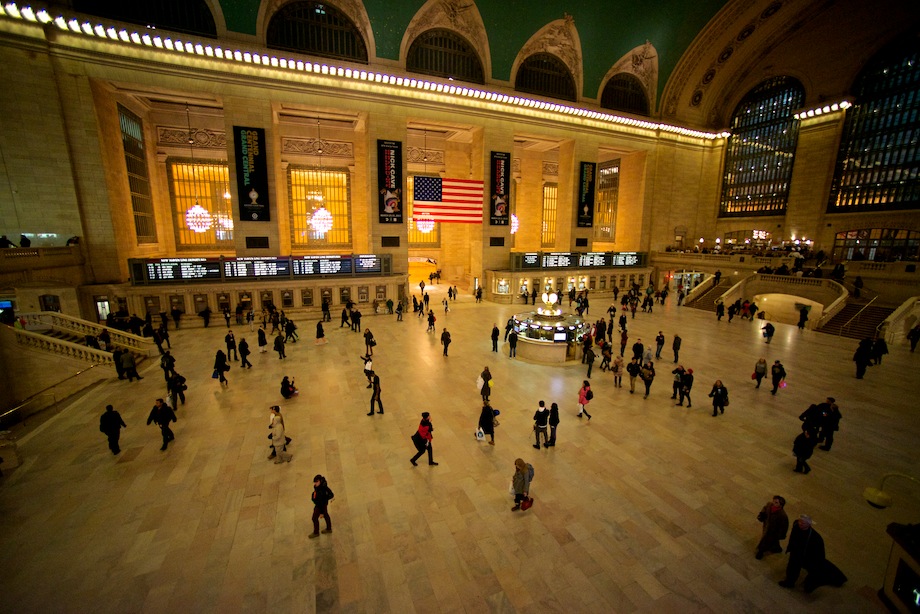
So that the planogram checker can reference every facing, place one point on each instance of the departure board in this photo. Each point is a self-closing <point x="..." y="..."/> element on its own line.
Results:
<point x="367" y="263"/>
<point x="257" y="267"/>
<point x="321" y="265"/>
<point x="625" y="259"/>
<point x="595" y="259"/>
<point x="183" y="269"/>
<point x="531" y="260"/>
<point x="558" y="260"/>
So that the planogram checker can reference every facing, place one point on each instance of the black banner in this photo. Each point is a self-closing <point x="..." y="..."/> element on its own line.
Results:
<point x="501" y="188"/>
<point x="251" y="174"/>
<point x="587" y="174"/>
<point x="389" y="182"/>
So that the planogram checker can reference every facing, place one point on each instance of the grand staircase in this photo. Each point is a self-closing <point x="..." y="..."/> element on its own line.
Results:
<point x="707" y="300"/>
<point x="848" y="324"/>
<point x="64" y="335"/>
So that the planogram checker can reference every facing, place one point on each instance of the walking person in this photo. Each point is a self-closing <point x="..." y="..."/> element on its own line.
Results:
<point x="760" y="371"/>
<point x="585" y="394"/>
<point x="161" y="415"/>
<point x="768" y="332"/>
<point x="369" y="342"/>
<point x="221" y="367"/>
<point x="678" y="380"/>
<point x="375" y="394"/>
<point x="320" y="333"/>
<point x="423" y="438"/>
<point x="509" y="325"/>
<point x="648" y="376"/>
<point x="540" y="425"/>
<point x="111" y="424"/>
<point x="487" y="421"/>
<point x="327" y="316"/>
<point x="806" y="551"/>
<point x="553" y="424"/>
<point x="775" y="527"/>
<point x="659" y="345"/>
<point x="520" y="483"/>
<point x="176" y="388"/>
<point x="633" y="369"/>
<point x="830" y="423"/>
<point x="445" y="340"/>
<point x="322" y="496"/>
<point x="618" y="369"/>
<point x="686" y="385"/>
<point x="279" y="346"/>
<point x="624" y="338"/>
<point x="486" y="388"/>
<point x="512" y="344"/>
<point x="675" y="345"/>
<point x="278" y="437"/>
<point x="431" y="321"/>
<point x="803" y="447"/>
<point x="495" y="333"/>
<point x="263" y="341"/>
<point x="589" y="358"/>
<point x="129" y="366"/>
<point x="803" y="317"/>
<point x="244" y="353"/>
<point x="778" y="373"/>
<point x="168" y="364"/>
<point x="719" y="395"/>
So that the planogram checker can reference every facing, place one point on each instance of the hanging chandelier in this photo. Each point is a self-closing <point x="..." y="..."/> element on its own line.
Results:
<point x="424" y="224"/>
<point x="321" y="220"/>
<point x="514" y="223"/>
<point x="197" y="218"/>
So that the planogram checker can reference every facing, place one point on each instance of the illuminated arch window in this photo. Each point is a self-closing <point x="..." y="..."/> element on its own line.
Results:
<point x="548" y="230"/>
<point x="878" y="165"/>
<point x="189" y="16"/>
<point x="132" y="138"/>
<point x="624" y="92"/>
<point x="761" y="150"/>
<point x="311" y="188"/>
<point x="316" y="28"/>
<point x="442" y="53"/>
<point x="207" y="184"/>
<point x="608" y="192"/>
<point x="416" y="237"/>
<point x="546" y="75"/>
<point x="879" y="244"/>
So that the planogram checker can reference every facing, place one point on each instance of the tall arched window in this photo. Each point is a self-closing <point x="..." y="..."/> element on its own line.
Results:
<point x="442" y="53"/>
<point x="311" y="188"/>
<point x="761" y="149"/>
<point x="546" y="75"/>
<point x="624" y="92"/>
<point x="315" y="28"/>
<point x="189" y="16"/>
<point x="878" y="165"/>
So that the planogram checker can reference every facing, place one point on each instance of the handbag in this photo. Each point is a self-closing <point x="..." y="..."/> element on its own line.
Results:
<point x="782" y="384"/>
<point x="725" y="404"/>
<point x="526" y="504"/>
<point x="214" y="375"/>
<point x="479" y="383"/>
<point x="419" y="441"/>
<point x="754" y="375"/>
<point x="479" y="434"/>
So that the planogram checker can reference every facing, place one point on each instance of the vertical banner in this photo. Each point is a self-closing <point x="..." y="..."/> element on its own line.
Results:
<point x="587" y="173"/>
<point x="500" y="171"/>
<point x="251" y="174"/>
<point x="389" y="182"/>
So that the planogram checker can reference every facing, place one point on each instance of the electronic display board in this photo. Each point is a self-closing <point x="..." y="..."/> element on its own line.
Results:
<point x="595" y="259"/>
<point x="183" y="269"/>
<point x="557" y="260"/>
<point x="531" y="260"/>
<point x="367" y="263"/>
<point x="321" y="265"/>
<point x="256" y="267"/>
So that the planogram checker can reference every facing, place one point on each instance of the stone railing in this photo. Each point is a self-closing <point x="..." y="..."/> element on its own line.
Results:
<point x="65" y="323"/>
<point x="830" y="294"/>
<point x="898" y="324"/>
<point x="60" y="347"/>
<point x="22" y="258"/>
<point x="714" y="261"/>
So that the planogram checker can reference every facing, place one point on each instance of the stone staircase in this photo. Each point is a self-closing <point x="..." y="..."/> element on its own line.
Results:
<point x="707" y="300"/>
<point x="863" y="326"/>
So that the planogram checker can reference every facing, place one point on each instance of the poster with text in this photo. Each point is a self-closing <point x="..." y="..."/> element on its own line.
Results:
<point x="251" y="174"/>
<point x="586" y="176"/>
<point x="389" y="182"/>
<point x="500" y="195"/>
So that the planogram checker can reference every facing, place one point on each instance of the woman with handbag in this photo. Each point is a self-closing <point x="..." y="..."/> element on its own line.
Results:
<point x="487" y="422"/>
<point x="422" y="439"/>
<point x="520" y="483"/>
<point x="277" y="435"/>
<point x="719" y="395"/>
<point x="220" y="367"/>
<point x="486" y="387"/>
<point x="760" y="371"/>
<point x="369" y="342"/>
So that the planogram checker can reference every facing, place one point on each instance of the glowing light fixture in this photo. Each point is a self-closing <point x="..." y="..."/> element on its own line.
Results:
<point x="197" y="218"/>
<point x="321" y="220"/>
<point x="515" y="224"/>
<point x="424" y="224"/>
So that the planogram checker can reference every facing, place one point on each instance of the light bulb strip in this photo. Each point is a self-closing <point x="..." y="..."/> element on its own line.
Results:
<point x="168" y="45"/>
<point x="823" y="110"/>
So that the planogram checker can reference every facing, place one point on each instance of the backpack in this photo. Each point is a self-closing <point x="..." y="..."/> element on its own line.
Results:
<point x="529" y="472"/>
<point x="590" y="394"/>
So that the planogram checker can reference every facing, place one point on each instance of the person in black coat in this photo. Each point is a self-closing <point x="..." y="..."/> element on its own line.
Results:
<point x="686" y="385"/>
<point x="230" y="340"/>
<point x="176" y="388"/>
<point x="830" y="422"/>
<point x="863" y="357"/>
<point x="553" y="424"/>
<point x="487" y="421"/>
<point x="263" y="341"/>
<point x="719" y="395"/>
<point x="812" y="418"/>
<point x="221" y="366"/>
<point x="495" y="334"/>
<point x="111" y="424"/>
<point x="806" y="551"/>
<point x="161" y="415"/>
<point x="321" y="496"/>
<point x="244" y="353"/>
<point x="803" y="447"/>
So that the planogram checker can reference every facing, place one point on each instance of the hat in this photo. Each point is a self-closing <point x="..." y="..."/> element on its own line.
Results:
<point x="425" y="414"/>
<point x="806" y="519"/>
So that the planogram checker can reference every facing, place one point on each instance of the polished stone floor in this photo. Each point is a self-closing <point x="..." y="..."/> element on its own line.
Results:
<point x="646" y="508"/>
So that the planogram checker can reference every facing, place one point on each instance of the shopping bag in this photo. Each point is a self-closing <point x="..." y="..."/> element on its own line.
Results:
<point x="479" y="434"/>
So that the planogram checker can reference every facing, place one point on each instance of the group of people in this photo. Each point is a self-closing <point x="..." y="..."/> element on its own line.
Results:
<point x="819" y="423"/>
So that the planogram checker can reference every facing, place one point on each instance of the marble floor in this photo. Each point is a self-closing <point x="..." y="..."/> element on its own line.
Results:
<point x="646" y="508"/>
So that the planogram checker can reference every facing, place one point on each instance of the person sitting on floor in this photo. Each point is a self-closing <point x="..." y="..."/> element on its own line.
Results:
<point x="287" y="387"/>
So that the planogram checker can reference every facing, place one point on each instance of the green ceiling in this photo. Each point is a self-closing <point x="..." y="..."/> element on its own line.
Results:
<point x="608" y="28"/>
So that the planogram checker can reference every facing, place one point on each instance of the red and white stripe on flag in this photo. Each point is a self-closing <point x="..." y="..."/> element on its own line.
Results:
<point x="448" y="200"/>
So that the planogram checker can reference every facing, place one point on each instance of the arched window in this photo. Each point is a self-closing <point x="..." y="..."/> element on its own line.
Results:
<point x="624" y="92"/>
<point x="189" y="16"/>
<point x="311" y="188"/>
<point x="442" y="53"/>
<point x="546" y="75"/>
<point x="761" y="150"/>
<point x="316" y="29"/>
<point x="878" y="165"/>
<point x="879" y="244"/>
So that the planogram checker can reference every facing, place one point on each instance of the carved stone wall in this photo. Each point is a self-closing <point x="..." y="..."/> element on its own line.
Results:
<point x="418" y="155"/>
<point x="460" y="16"/>
<point x="202" y="137"/>
<point x="559" y="38"/>
<point x="642" y="63"/>
<point x="312" y="147"/>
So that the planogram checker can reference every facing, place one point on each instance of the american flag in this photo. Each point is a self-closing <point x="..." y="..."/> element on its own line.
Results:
<point x="448" y="200"/>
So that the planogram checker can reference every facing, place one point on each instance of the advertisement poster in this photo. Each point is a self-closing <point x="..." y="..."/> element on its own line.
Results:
<point x="389" y="182"/>
<point x="586" y="181"/>
<point x="251" y="174"/>
<point x="500" y="188"/>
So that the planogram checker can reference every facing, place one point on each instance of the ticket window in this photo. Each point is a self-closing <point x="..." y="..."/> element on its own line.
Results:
<point x="287" y="299"/>
<point x="642" y="280"/>
<point x="502" y="286"/>
<point x="177" y="301"/>
<point x="547" y="284"/>
<point x="582" y="283"/>
<point x="152" y="304"/>
<point x="524" y="289"/>
<point x="381" y="293"/>
<point x="592" y="283"/>
<point x="201" y="302"/>
<point x="603" y="282"/>
<point x="632" y="281"/>
<point x="246" y="300"/>
<point x="121" y="305"/>
<point x="560" y="281"/>
<point x="223" y="301"/>
<point x="267" y="300"/>
<point x="569" y="283"/>
<point x="622" y="282"/>
<point x="364" y="294"/>
<point x="344" y="295"/>
<point x="326" y="295"/>
<point x="306" y="297"/>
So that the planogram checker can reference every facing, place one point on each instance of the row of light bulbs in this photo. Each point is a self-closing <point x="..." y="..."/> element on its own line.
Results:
<point x="27" y="13"/>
